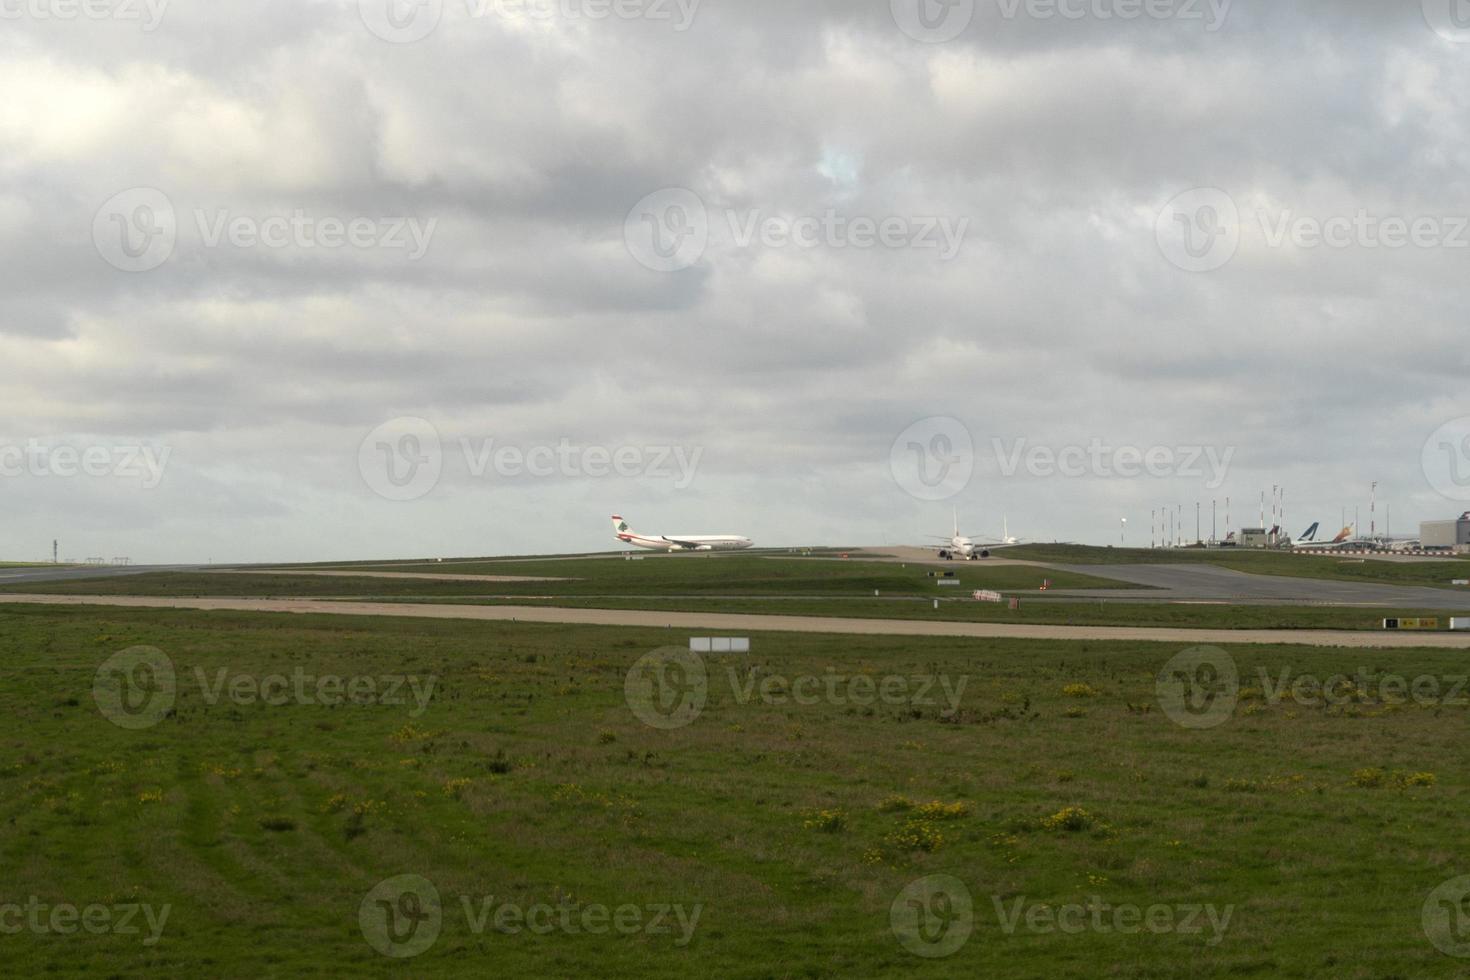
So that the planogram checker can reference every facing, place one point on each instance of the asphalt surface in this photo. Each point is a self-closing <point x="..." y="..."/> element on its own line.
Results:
<point x="1210" y="583"/>
<point x="740" y="624"/>
<point x="69" y="573"/>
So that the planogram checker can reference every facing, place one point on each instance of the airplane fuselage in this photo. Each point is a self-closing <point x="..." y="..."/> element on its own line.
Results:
<point x="680" y="542"/>
<point x="963" y="548"/>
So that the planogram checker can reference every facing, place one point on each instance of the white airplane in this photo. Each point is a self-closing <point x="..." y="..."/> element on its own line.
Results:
<point x="681" y="542"/>
<point x="964" y="548"/>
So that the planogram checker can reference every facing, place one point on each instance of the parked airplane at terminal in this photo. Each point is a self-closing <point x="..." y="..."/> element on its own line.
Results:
<point x="1308" y="542"/>
<point x="679" y="542"/>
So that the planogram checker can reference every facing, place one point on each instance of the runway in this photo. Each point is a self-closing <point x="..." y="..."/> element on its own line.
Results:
<point x="741" y="624"/>
<point x="68" y="573"/>
<point x="1211" y="583"/>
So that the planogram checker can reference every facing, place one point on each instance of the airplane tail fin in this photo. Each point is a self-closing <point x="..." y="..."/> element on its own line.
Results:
<point x="1343" y="535"/>
<point x="1310" y="534"/>
<point x="620" y="526"/>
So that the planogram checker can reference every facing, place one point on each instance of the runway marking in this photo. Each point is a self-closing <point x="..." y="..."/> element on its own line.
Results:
<point x="741" y="623"/>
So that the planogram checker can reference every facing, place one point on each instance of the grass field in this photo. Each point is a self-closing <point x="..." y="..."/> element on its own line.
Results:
<point x="777" y="836"/>
<point x="1435" y="572"/>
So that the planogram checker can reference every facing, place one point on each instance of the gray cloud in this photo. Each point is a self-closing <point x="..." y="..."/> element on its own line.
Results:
<point x="528" y="321"/>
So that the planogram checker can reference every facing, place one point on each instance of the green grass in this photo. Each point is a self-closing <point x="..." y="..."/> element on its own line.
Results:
<point x="528" y="778"/>
<point x="1438" y="573"/>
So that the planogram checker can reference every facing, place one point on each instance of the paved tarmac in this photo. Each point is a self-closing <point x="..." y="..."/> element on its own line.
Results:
<point x="1211" y="583"/>
<point x="68" y="573"/>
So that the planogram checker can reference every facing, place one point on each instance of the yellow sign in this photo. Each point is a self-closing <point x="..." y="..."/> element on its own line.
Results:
<point x="1411" y="624"/>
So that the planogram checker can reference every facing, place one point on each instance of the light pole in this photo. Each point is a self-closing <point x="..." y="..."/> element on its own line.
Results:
<point x="1123" y="537"/>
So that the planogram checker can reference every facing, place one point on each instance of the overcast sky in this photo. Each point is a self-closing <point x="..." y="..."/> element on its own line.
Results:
<point x="304" y="280"/>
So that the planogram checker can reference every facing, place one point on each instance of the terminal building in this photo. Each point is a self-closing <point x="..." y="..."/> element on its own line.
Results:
<point x="1446" y="535"/>
<point x="1255" y="537"/>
